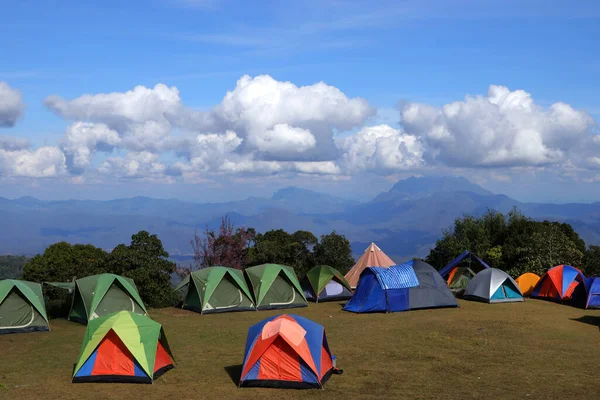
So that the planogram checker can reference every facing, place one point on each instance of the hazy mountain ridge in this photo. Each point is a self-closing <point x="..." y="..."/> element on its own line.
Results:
<point x="405" y="221"/>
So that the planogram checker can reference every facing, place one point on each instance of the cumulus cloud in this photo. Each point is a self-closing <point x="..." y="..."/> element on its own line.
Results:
<point x="285" y="121"/>
<point x="138" y="115"/>
<point x="11" y="143"/>
<point x="43" y="162"/>
<point x="501" y="129"/>
<point x="268" y="127"/>
<point x="140" y="165"/>
<point x="83" y="139"/>
<point x="381" y="149"/>
<point x="11" y="105"/>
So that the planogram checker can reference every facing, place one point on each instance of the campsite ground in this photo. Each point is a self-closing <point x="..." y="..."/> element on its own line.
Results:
<point x="533" y="350"/>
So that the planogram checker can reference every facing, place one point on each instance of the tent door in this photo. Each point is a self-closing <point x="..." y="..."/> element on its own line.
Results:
<point x="227" y="294"/>
<point x="282" y="292"/>
<point x="16" y="312"/>
<point x="116" y="299"/>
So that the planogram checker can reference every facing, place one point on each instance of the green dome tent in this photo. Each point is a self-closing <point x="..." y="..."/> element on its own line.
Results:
<point x="275" y="286"/>
<point x="325" y="283"/>
<point x="102" y="294"/>
<point x="22" y="307"/>
<point x="123" y="347"/>
<point x="216" y="289"/>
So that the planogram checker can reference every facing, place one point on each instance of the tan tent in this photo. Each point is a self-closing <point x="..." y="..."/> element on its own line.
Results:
<point x="372" y="257"/>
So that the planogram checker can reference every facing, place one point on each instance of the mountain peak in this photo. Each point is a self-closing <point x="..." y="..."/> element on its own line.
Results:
<point x="419" y="187"/>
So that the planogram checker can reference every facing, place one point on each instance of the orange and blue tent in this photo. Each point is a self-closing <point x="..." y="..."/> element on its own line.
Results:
<point x="123" y="347"/>
<point x="559" y="283"/>
<point x="286" y="351"/>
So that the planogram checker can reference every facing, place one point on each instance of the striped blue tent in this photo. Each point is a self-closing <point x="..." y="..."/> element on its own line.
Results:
<point x="410" y="286"/>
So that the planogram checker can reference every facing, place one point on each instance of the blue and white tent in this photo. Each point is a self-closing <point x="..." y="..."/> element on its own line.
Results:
<point x="408" y="286"/>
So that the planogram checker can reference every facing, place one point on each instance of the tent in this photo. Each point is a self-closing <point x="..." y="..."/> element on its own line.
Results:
<point x="410" y="286"/>
<point x="527" y="282"/>
<point x="275" y="286"/>
<point x="103" y="294"/>
<point x="372" y="257"/>
<point x="323" y="283"/>
<point x="22" y="307"/>
<point x="216" y="289"/>
<point x="461" y="270"/>
<point x="493" y="285"/>
<point x="593" y="292"/>
<point x="123" y="347"/>
<point x="286" y="351"/>
<point x="559" y="283"/>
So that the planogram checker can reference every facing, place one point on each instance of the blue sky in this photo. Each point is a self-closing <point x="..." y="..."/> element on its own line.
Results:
<point x="391" y="55"/>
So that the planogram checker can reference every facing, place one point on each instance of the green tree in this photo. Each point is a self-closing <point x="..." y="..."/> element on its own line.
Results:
<point x="513" y="243"/>
<point x="591" y="261"/>
<point x="62" y="262"/>
<point x="547" y="247"/>
<point x="334" y="250"/>
<point x="11" y="267"/>
<point x="477" y="235"/>
<point x="145" y="261"/>
<point x="280" y="247"/>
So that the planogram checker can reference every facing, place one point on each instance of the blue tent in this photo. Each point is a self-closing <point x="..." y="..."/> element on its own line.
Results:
<point x="464" y="255"/>
<point x="458" y="275"/>
<point x="593" y="292"/>
<point x="408" y="286"/>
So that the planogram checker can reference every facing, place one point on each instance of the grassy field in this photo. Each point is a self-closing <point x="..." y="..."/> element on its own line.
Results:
<point x="531" y="350"/>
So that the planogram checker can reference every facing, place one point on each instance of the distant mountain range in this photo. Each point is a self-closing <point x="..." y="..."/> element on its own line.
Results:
<point x="404" y="222"/>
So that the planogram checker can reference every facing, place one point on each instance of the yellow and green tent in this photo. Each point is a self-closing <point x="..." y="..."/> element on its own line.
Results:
<point x="123" y="347"/>
<point x="275" y="286"/>
<point x="216" y="289"/>
<point x="325" y="283"/>
<point x="22" y="307"/>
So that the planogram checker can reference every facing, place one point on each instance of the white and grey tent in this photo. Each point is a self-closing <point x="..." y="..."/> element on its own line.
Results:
<point x="493" y="285"/>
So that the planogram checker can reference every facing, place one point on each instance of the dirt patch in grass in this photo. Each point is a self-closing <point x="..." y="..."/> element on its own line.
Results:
<point x="531" y="350"/>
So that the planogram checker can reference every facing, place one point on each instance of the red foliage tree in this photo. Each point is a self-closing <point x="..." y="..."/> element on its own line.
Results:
<point x="227" y="247"/>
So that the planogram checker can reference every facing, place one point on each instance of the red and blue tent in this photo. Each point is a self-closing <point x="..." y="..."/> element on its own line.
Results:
<point x="286" y="351"/>
<point x="559" y="283"/>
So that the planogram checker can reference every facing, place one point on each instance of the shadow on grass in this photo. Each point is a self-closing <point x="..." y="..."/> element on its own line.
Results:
<point x="234" y="372"/>
<point x="588" y="319"/>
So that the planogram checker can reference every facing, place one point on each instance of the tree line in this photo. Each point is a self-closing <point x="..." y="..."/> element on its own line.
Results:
<point x="511" y="242"/>
<point x="516" y="244"/>
<point x="145" y="260"/>
<point x="244" y="247"/>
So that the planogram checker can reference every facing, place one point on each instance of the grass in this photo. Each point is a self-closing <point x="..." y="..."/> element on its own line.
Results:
<point x="531" y="350"/>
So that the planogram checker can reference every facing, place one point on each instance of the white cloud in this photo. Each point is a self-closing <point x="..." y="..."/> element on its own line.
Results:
<point x="139" y="115"/>
<point x="210" y="151"/>
<point x="317" y="168"/>
<point x="12" y="143"/>
<point x="283" y="120"/>
<point x="269" y="127"/>
<point x="284" y="138"/>
<point x="11" y="105"/>
<point x="40" y="163"/>
<point x="142" y="165"/>
<point x="138" y="105"/>
<point x="503" y="128"/>
<point x="81" y="141"/>
<point x="381" y="149"/>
